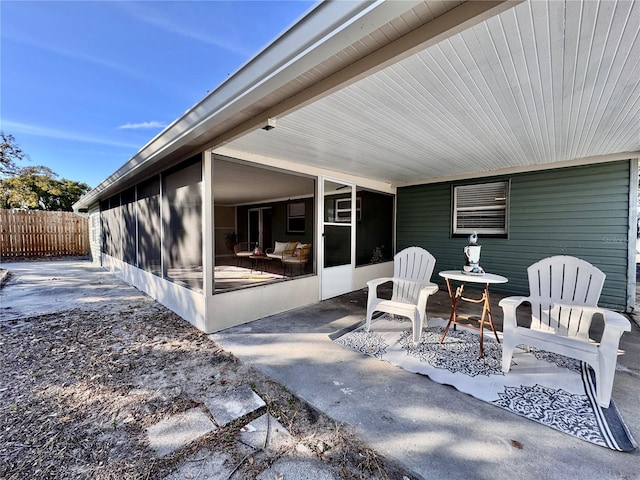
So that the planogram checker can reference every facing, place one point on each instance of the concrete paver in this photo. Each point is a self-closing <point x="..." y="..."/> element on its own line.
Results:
<point x="39" y="288"/>
<point x="204" y="465"/>
<point x="290" y="469"/>
<point x="268" y="433"/>
<point x="179" y="430"/>
<point x="233" y="404"/>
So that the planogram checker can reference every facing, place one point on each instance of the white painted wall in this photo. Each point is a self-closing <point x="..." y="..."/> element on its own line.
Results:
<point x="368" y="272"/>
<point x="187" y="303"/>
<point x="224" y="310"/>
<point x="233" y="308"/>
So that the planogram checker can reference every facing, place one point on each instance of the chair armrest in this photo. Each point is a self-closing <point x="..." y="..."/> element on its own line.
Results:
<point x="287" y="255"/>
<point x="612" y="320"/>
<point x="429" y="289"/>
<point x="373" y="284"/>
<point x="614" y="325"/>
<point x="509" y="306"/>
<point x="616" y="320"/>
<point x="423" y="296"/>
<point x="517" y="301"/>
<point x="304" y="254"/>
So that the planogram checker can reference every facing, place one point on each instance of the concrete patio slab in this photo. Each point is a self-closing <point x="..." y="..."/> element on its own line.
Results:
<point x="68" y="283"/>
<point x="178" y="431"/>
<point x="432" y="430"/>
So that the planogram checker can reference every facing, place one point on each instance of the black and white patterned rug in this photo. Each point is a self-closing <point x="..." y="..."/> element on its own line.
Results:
<point x="550" y="389"/>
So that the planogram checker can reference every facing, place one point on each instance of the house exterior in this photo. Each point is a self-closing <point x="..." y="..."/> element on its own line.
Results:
<point x="581" y="211"/>
<point x="371" y="126"/>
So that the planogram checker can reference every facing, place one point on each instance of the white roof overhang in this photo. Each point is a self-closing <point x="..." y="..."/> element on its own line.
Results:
<point x="417" y="92"/>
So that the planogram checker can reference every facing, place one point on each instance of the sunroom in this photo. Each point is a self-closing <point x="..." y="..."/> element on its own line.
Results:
<point x="176" y="236"/>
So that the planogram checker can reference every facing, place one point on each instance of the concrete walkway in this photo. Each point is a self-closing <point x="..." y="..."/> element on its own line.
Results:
<point x="432" y="430"/>
<point x="39" y="288"/>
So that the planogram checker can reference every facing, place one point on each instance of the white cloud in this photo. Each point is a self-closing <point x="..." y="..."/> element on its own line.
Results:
<point x="137" y="126"/>
<point x="76" y="55"/>
<point x="38" y="131"/>
<point x="156" y="18"/>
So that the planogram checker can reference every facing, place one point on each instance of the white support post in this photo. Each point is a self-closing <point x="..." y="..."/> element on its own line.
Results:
<point x="208" y="225"/>
<point x="164" y="215"/>
<point x="633" y="234"/>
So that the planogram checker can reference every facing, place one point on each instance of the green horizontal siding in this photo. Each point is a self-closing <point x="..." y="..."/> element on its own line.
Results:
<point x="580" y="211"/>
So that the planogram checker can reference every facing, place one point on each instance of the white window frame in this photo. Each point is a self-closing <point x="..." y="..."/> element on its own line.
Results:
<point x="343" y="209"/>
<point x="487" y="201"/>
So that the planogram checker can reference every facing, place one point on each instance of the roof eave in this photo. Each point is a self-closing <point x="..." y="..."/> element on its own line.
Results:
<point x="320" y="33"/>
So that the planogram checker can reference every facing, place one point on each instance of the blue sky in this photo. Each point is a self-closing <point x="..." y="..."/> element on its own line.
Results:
<point x="85" y="84"/>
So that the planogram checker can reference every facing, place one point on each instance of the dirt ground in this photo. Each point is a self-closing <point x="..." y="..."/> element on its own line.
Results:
<point x="79" y="388"/>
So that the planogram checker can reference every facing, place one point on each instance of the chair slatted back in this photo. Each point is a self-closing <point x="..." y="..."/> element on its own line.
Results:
<point x="571" y="282"/>
<point x="413" y="264"/>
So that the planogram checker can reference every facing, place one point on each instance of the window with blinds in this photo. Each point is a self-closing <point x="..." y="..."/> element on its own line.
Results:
<point x="295" y="217"/>
<point x="481" y="207"/>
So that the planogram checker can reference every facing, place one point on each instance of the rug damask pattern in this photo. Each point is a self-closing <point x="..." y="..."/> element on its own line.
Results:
<point x="566" y="404"/>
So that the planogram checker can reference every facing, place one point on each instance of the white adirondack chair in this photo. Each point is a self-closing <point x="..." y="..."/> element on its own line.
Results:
<point x="412" y="269"/>
<point x="564" y="293"/>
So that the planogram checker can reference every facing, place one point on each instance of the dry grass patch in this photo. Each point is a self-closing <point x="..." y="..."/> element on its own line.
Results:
<point x="79" y="389"/>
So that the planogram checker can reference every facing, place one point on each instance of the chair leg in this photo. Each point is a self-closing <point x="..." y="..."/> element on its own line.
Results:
<point x="507" y="354"/>
<point x="370" y="309"/>
<point x="417" y="328"/>
<point x="419" y="322"/>
<point x="367" y="325"/>
<point x="605" y="371"/>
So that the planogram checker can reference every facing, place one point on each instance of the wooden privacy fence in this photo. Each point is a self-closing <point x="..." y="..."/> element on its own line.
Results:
<point x="35" y="233"/>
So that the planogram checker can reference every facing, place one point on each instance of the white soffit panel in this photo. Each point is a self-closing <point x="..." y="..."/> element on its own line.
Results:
<point x="540" y="83"/>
